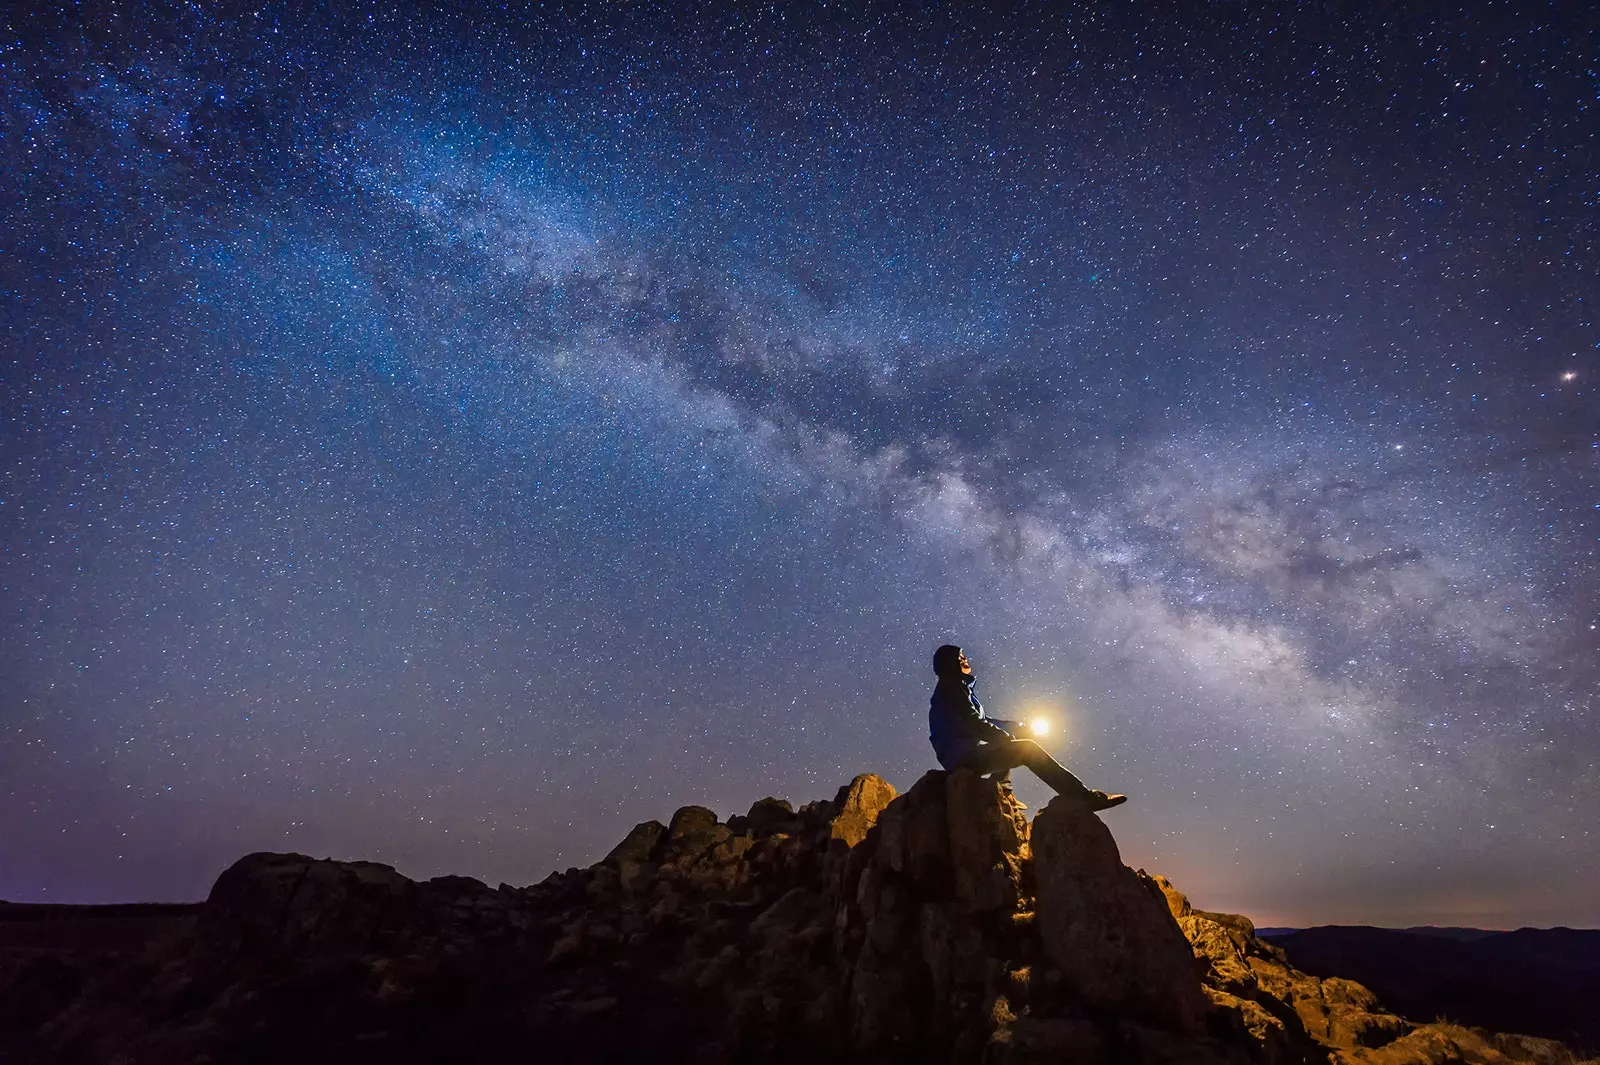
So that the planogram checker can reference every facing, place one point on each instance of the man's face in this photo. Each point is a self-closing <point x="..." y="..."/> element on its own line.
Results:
<point x="966" y="667"/>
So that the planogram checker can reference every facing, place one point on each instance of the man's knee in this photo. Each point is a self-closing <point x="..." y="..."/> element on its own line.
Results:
<point x="1028" y="751"/>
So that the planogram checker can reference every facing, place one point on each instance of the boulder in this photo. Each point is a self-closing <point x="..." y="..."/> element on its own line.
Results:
<point x="1244" y="1021"/>
<point x="1108" y="928"/>
<point x="1354" y="1017"/>
<point x="280" y="904"/>
<point x="1449" y="1044"/>
<point x="770" y="815"/>
<point x="690" y="824"/>
<point x="859" y="804"/>
<point x="1237" y="924"/>
<point x="1177" y="901"/>
<point x="632" y="858"/>
<point x="1225" y="965"/>
<point x="988" y="841"/>
<point x="927" y="930"/>
<point x="1049" y="1040"/>
<point x="914" y="831"/>
<point x="639" y="843"/>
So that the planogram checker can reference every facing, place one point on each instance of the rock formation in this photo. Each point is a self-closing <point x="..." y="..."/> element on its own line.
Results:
<point x="935" y="926"/>
<point x="1542" y="981"/>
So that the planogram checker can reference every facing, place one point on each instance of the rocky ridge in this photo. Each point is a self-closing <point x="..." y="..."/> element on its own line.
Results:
<point x="939" y="926"/>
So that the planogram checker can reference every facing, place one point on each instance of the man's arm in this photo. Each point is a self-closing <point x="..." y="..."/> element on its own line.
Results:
<point x="957" y="713"/>
<point x="992" y="729"/>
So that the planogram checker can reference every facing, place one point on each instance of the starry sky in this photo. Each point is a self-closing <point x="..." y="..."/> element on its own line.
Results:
<point x="447" y="438"/>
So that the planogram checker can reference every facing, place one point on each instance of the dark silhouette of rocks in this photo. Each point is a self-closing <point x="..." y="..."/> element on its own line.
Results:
<point x="936" y="926"/>
<point x="1465" y="935"/>
<point x="1544" y="981"/>
<point x="114" y="929"/>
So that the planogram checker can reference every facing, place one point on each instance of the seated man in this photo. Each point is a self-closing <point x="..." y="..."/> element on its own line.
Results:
<point x="963" y="738"/>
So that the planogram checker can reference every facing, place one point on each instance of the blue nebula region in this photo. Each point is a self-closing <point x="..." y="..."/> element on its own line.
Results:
<point x="448" y="435"/>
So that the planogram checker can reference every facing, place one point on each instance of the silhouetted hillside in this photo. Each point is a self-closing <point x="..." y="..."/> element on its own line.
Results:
<point x="1539" y="981"/>
<point x="96" y="930"/>
<point x="1465" y="935"/>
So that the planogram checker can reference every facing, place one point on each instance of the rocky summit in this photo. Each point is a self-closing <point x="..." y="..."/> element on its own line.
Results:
<point x="935" y="926"/>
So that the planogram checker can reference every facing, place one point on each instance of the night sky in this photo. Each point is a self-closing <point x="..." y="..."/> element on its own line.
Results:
<point x="447" y="439"/>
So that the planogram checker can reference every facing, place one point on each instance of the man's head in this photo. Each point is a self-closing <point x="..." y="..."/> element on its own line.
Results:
<point x="948" y="661"/>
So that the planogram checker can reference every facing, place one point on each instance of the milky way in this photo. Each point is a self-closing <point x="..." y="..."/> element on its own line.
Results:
<point x="448" y="439"/>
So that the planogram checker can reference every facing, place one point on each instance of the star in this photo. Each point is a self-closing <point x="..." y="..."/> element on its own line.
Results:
<point x="460" y="436"/>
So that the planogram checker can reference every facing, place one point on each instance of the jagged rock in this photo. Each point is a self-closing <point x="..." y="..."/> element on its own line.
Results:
<point x="288" y="903"/>
<point x="770" y="815"/>
<point x="691" y="825"/>
<point x="1249" y="983"/>
<point x="1177" y="901"/>
<point x="931" y="920"/>
<point x="859" y="804"/>
<point x="937" y="925"/>
<point x="1269" y="1039"/>
<point x="915" y="833"/>
<point x="1337" y="1013"/>
<point x="1449" y="1044"/>
<point x="1225" y="964"/>
<point x="638" y="844"/>
<point x="988" y="835"/>
<point x="1354" y="1017"/>
<point x="1109" y="928"/>
<point x="1237" y="924"/>
<point x="1038" y="1041"/>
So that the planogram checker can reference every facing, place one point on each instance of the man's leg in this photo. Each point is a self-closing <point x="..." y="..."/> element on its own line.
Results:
<point x="1000" y="756"/>
<point x="1047" y="769"/>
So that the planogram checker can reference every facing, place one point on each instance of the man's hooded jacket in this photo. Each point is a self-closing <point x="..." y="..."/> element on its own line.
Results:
<point x="956" y="722"/>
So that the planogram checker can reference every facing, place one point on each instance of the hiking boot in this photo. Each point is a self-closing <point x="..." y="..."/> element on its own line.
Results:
<point x="1099" y="800"/>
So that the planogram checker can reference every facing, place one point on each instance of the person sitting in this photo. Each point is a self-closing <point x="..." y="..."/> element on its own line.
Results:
<point x="964" y="738"/>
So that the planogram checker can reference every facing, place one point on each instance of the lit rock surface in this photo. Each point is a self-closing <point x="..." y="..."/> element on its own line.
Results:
<point x="933" y="926"/>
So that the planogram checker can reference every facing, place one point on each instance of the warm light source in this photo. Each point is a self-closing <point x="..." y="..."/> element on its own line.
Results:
<point x="1039" y="726"/>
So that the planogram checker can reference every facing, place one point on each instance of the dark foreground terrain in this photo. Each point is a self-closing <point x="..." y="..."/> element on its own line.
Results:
<point x="936" y="926"/>
<point x="1544" y="981"/>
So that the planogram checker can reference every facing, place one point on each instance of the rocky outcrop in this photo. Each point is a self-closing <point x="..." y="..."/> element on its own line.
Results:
<point x="1447" y="1044"/>
<point x="937" y="926"/>
<point x="1540" y="981"/>
<point x="1108" y="928"/>
<point x="1291" y="1016"/>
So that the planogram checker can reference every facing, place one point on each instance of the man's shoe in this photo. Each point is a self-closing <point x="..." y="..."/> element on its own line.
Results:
<point x="1099" y="800"/>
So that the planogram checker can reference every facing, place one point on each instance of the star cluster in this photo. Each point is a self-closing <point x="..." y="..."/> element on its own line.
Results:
<point x="448" y="438"/>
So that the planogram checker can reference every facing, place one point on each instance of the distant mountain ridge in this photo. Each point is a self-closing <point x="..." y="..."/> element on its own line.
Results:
<point x="1465" y="935"/>
<point x="1542" y="981"/>
<point x="941" y="925"/>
